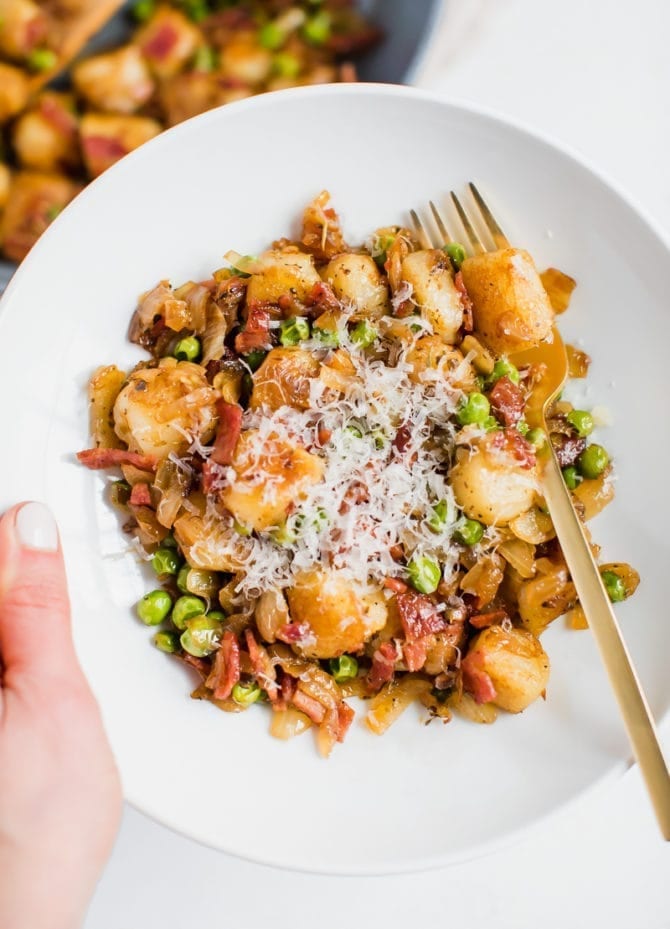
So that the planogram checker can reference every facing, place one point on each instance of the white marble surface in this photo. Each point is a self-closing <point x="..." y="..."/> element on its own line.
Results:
<point x="594" y="75"/>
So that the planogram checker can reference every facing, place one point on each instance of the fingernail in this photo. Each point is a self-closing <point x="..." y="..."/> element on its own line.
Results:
<point x="36" y="527"/>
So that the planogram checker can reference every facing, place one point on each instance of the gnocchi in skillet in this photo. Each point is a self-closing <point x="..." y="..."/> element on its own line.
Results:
<point x="326" y="459"/>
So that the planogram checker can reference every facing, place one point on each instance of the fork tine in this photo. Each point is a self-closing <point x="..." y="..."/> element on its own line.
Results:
<point x="420" y="229"/>
<point x="439" y="222"/>
<point x="475" y="241"/>
<point x="497" y="234"/>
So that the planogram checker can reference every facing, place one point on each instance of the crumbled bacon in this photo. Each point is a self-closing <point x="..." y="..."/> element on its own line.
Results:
<point x="323" y="435"/>
<point x="418" y="615"/>
<point x="262" y="666"/>
<point x="201" y="665"/>
<point x="293" y="633"/>
<point x="514" y="444"/>
<point x="466" y="302"/>
<point x="282" y="696"/>
<point x="414" y="654"/>
<point x="396" y="585"/>
<point x="397" y="552"/>
<point x="476" y="681"/>
<point x="309" y="706"/>
<point x="140" y="495"/>
<point x="213" y="476"/>
<point x="345" y="717"/>
<point x="322" y="298"/>
<point x="568" y="449"/>
<point x="58" y="115"/>
<point x="383" y="665"/>
<point x="256" y="332"/>
<point x="98" y="458"/>
<point x="507" y="401"/>
<point x="482" y="620"/>
<point x="227" y="433"/>
<point x="402" y="438"/>
<point x="103" y="148"/>
<point x="161" y="43"/>
<point x="225" y="671"/>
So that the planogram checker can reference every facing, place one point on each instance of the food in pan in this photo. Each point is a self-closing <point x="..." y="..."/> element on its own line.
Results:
<point x="325" y="459"/>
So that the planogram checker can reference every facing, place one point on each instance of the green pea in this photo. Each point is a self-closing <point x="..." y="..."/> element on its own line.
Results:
<point x="457" y="254"/>
<point x="593" y="461"/>
<point x="490" y="424"/>
<point x="271" y="36"/>
<point x="201" y="636"/>
<point x="615" y="587"/>
<point x="317" y="29"/>
<point x="197" y="10"/>
<point x="217" y="616"/>
<point x="205" y="59"/>
<point x="169" y="541"/>
<point x="255" y="359"/>
<point x="473" y="409"/>
<point x="294" y="330"/>
<point x="504" y="368"/>
<point x="581" y="422"/>
<point x="287" y="65"/>
<point x="343" y="668"/>
<point x="246" y="694"/>
<point x="187" y="349"/>
<point x="363" y="334"/>
<point x="120" y="493"/>
<point x="186" y="608"/>
<point x="182" y="578"/>
<point x="523" y="427"/>
<point x="424" y="573"/>
<point x="329" y="338"/>
<point x="469" y="532"/>
<point x="536" y="437"/>
<point x="42" y="59"/>
<point x="167" y="642"/>
<point x="143" y="10"/>
<point x="572" y="477"/>
<point x="154" y="607"/>
<point x="440" y="516"/>
<point x="165" y="561"/>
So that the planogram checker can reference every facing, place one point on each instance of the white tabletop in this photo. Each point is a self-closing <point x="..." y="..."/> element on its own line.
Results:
<point x="594" y="75"/>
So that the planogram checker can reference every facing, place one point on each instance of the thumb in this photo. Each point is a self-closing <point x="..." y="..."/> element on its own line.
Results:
<point x="35" y="637"/>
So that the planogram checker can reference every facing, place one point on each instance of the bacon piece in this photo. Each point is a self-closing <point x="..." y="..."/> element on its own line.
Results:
<point x="396" y="585"/>
<point x="402" y="438"/>
<point x="225" y="671"/>
<point x="397" y="552"/>
<point x="383" y="665"/>
<point x="354" y="42"/>
<point x="568" y="449"/>
<point x="418" y="615"/>
<point x="414" y="654"/>
<point x="322" y="298"/>
<point x="103" y="148"/>
<point x="227" y="433"/>
<point x="293" y="632"/>
<point x="309" y="706"/>
<point x="482" y="620"/>
<point x="466" y="302"/>
<point x="323" y="435"/>
<point x="140" y="495"/>
<point x="161" y="43"/>
<point x="511" y="441"/>
<point x="282" y="696"/>
<point x="56" y="113"/>
<point x="262" y="666"/>
<point x="507" y="401"/>
<point x="98" y="458"/>
<point x="256" y="332"/>
<point x="345" y="717"/>
<point x="476" y="681"/>
<point x="213" y="477"/>
<point x="201" y="665"/>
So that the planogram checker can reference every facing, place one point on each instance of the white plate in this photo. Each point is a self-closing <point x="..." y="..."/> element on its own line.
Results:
<point x="238" y="178"/>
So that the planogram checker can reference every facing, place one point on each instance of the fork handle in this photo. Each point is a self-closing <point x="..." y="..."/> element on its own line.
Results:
<point x="602" y="622"/>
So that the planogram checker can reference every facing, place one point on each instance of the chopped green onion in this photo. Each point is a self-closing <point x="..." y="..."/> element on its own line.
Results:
<point x="457" y="254"/>
<point x="424" y="573"/>
<point x="343" y="668"/>
<point x="363" y="334"/>
<point x="246" y="694"/>
<point x="154" y="607"/>
<point x="581" y="422"/>
<point x="469" y="532"/>
<point x="294" y="330"/>
<point x="187" y="349"/>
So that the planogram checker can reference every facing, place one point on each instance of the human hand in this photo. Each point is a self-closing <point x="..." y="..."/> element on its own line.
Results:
<point x="60" y="796"/>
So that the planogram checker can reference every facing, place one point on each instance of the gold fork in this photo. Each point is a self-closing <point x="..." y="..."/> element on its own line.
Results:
<point x="577" y="552"/>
